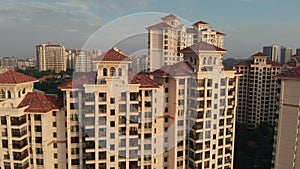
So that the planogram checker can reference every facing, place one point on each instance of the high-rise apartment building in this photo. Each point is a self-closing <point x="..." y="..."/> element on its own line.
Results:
<point x="51" y="57"/>
<point x="139" y="63"/>
<point x="200" y="109"/>
<point x="120" y="114"/>
<point x="32" y="125"/>
<point x="271" y="52"/>
<point x="183" y="118"/>
<point x="285" y="54"/>
<point x="286" y="144"/>
<point x="168" y="37"/>
<point x="258" y="91"/>
<point x="9" y="62"/>
<point x="297" y="50"/>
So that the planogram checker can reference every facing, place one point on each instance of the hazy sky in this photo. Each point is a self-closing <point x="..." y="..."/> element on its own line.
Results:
<point x="249" y="24"/>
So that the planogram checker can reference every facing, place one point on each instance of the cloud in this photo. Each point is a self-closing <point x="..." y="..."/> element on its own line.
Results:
<point x="26" y="24"/>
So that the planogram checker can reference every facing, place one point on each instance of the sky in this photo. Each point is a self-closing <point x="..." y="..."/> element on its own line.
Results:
<point x="248" y="24"/>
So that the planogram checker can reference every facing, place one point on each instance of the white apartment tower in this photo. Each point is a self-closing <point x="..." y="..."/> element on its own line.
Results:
<point x="258" y="91"/>
<point x="199" y="126"/>
<point x="51" y="57"/>
<point x="168" y="37"/>
<point x="114" y="117"/>
<point x="32" y="125"/>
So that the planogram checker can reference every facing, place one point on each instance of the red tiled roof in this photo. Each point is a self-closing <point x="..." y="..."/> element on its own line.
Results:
<point x="201" y="46"/>
<point x="293" y="73"/>
<point x="142" y="79"/>
<point x="200" y="22"/>
<point x="112" y="55"/>
<point x="190" y="30"/>
<point x="220" y="33"/>
<point x="171" y="16"/>
<point x="39" y="102"/>
<point x="259" y="54"/>
<point x="244" y="63"/>
<point x="274" y="63"/>
<point x="228" y="69"/>
<point x="183" y="68"/>
<point x="291" y="63"/>
<point x="13" y="77"/>
<point x="79" y="79"/>
<point x="249" y="62"/>
<point x="159" y="25"/>
<point x="297" y="54"/>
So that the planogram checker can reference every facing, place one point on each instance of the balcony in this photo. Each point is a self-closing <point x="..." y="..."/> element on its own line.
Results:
<point x="17" y="121"/>
<point x="20" y="155"/>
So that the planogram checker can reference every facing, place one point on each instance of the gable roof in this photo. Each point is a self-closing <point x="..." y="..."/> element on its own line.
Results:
<point x="293" y="73"/>
<point x="202" y="46"/>
<point x="143" y="80"/>
<point x="40" y="103"/>
<point x="183" y="68"/>
<point x="260" y="54"/>
<point x="78" y="80"/>
<point x="171" y="16"/>
<point x="159" y="25"/>
<point x="112" y="55"/>
<point x="13" y="77"/>
<point x="200" y="22"/>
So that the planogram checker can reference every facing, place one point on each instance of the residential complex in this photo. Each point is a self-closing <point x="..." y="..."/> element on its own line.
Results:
<point x="286" y="154"/>
<point x="167" y="38"/>
<point x="258" y="91"/>
<point x="51" y="57"/>
<point x="32" y="125"/>
<point x="200" y="99"/>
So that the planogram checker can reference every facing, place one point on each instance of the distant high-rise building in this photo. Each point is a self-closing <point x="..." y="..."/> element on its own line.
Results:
<point x="271" y="52"/>
<point x="51" y="57"/>
<point x="258" y="91"/>
<point x="81" y="60"/>
<point x="9" y="61"/>
<point x="168" y="37"/>
<point x="286" y="144"/>
<point x="285" y="55"/>
<point x="139" y="63"/>
<point x="297" y="50"/>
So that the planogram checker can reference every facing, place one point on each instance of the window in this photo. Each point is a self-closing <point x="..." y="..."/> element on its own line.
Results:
<point x="104" y="72"/>
<point x="112" y="71"/>
<point x="112" y="158"/>
<point x="119" y="72"/>
<point x="112" y="112"/>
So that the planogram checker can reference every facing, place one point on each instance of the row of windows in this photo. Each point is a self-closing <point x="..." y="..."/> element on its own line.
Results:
<point x="112" y="71"/>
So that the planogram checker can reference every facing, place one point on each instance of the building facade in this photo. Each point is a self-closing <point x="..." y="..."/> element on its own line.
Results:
<point x="120" y="117"/>
<point x="285" y="54"/>
<point x="51" y="57"/>
<point x="258" y="91"/>
<point x="200" y="109"/>
<point x="286" y="144"/>
<point x="139" y="63"/>
<point x="167" y="38"/>
<point x="32" y="125"/>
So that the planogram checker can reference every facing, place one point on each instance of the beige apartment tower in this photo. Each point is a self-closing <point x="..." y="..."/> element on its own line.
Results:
<point x="32" y="125"/>
<point x="51" y="57"/>
<point x="258" y="91"/>
<point x="286" y="144"/>
<point x="167" y="38"/>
